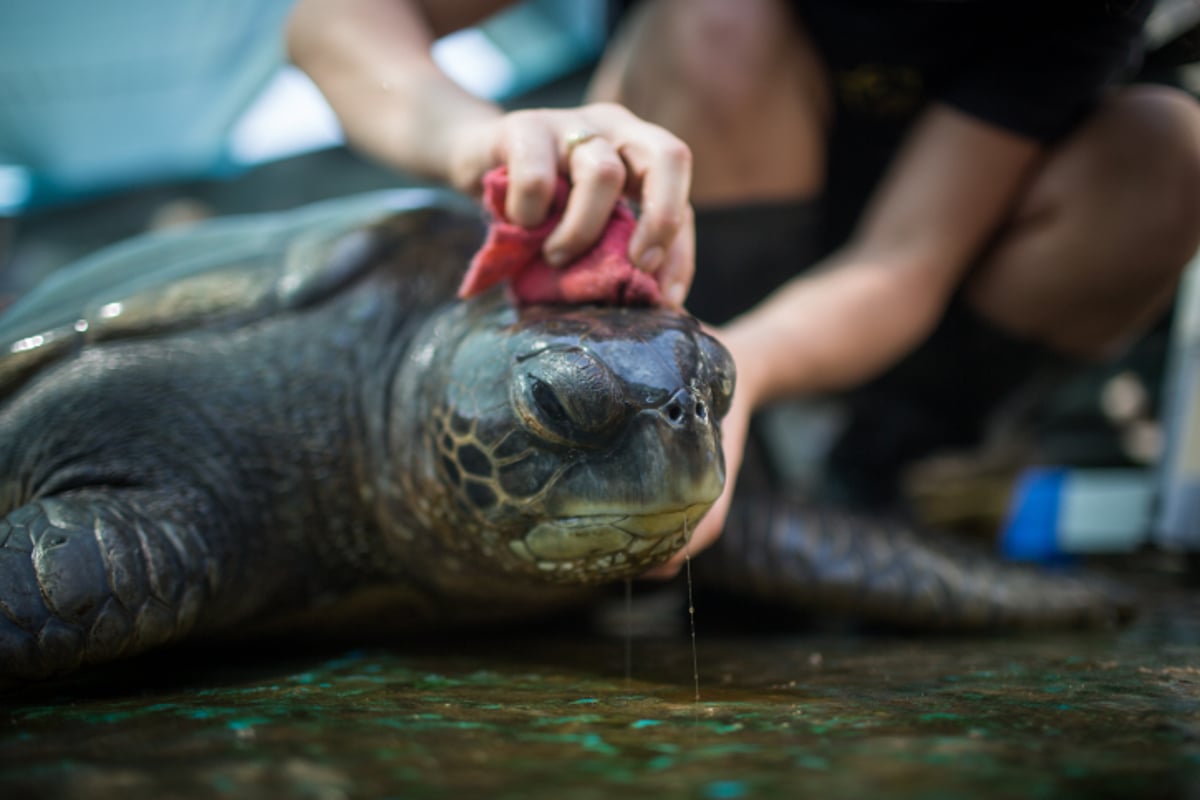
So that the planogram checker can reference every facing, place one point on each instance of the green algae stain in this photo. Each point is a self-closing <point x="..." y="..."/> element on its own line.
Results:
<point x="161" y="707"/>
<point x="812" y="762"/>
<point x="592" y="742"/>
<point x="433" y="679"/>
<point x="644" y="723"/>
<point x="419" y="723"/>
<point x="224" y="784"/>
<point x="246" y="724"/>
<point x="660" y="763"/>
<point x="725" y="790"/>
<point x="721" y="750"/>
<point x="434" y="728"/>
<point x="577" y="719"/>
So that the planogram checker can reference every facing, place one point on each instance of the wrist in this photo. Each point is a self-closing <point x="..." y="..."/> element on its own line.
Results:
<point x="422" y="124"/>
<point x="468" y="147"/>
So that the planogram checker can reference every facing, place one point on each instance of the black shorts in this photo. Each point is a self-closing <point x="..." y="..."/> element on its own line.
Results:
<point x="1034" y="67"/>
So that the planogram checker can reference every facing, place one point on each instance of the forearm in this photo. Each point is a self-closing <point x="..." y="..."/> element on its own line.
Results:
<point x="834" y="328"/>
<point x="372" y="60"/>
<point x="950" y="190"/>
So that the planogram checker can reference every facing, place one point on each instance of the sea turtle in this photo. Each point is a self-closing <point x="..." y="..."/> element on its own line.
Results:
<point x="277" y="417"/>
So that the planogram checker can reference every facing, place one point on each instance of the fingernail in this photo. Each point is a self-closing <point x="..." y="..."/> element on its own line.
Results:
<point x="675" y="294"/>
<point x="650" y="259"/>
<point x="556" y="258"/>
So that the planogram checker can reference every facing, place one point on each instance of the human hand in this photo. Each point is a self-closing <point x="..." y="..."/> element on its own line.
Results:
<point x="608" y="153"/>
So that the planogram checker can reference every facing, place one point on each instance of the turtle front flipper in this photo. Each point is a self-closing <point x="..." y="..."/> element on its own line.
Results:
<point x="821" y="560"/>
<point x="94" y="574"/>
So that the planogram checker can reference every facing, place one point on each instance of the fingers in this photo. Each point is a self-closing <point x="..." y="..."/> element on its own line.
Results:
<point x="624" y="156"/>
<point x="598" y="179"/>
<point x="662" y="167"/>
<point x="655" y="168"/>
<point x="531" y="152"/>
<point x="679" y="266"/>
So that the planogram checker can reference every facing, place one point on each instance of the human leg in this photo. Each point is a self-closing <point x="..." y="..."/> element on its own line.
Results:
<point x="739" y="82"/>
<point x="1090" y="259"/>
<point x="742" y="85"/>
<point x="1096" y="248"/>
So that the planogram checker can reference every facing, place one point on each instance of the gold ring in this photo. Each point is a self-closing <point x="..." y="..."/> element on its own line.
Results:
<point x="576" y="138"/>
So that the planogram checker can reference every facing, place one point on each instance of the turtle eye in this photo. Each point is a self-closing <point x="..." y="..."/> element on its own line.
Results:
<point x="568" y="397"/>
<point x="547" y="402"/>
<point x="722" y="374"/>
<point x="722" y="393"/>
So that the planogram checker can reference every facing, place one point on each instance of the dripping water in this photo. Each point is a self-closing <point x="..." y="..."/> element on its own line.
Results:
<point x="628" y="630"/>
<point x="687" y="555"/>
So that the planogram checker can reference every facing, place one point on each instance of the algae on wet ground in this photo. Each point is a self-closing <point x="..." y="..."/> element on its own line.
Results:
<point x="553" y="715"/>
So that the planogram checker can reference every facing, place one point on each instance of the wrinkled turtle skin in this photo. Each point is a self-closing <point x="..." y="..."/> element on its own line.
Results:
<point x="284" y="417"/>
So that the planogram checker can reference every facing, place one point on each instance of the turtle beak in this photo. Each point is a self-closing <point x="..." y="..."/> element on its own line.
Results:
<point x="603" y="547"/>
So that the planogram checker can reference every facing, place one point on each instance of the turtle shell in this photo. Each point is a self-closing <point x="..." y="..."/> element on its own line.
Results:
<point x="231" y="270"/>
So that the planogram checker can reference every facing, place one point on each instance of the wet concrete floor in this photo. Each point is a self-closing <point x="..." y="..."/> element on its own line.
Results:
<point x="554" y="714"/>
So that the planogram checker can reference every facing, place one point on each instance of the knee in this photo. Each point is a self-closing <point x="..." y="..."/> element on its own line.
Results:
<point x="1146" y="166"/>
<point x="725" y="51"/>
<point x="1163" y="129"/>
<point x="718" y="56"/>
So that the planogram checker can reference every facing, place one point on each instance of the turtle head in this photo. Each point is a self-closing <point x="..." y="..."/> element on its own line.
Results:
<point x="576" y="445"/>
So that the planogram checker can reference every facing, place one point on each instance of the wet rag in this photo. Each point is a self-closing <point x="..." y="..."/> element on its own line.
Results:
<point x="602" y="275"/>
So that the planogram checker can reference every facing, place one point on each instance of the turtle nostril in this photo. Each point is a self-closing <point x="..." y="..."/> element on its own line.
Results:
<point x="684" y="408"/>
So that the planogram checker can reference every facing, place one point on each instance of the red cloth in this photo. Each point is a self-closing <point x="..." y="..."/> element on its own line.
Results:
<point x="602" y="275"/>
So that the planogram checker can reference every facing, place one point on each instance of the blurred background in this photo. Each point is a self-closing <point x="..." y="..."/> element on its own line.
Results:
<point x="119" y="116"/>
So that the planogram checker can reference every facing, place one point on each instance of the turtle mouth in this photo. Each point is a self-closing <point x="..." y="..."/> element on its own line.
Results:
<point x="597" y="547"/>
